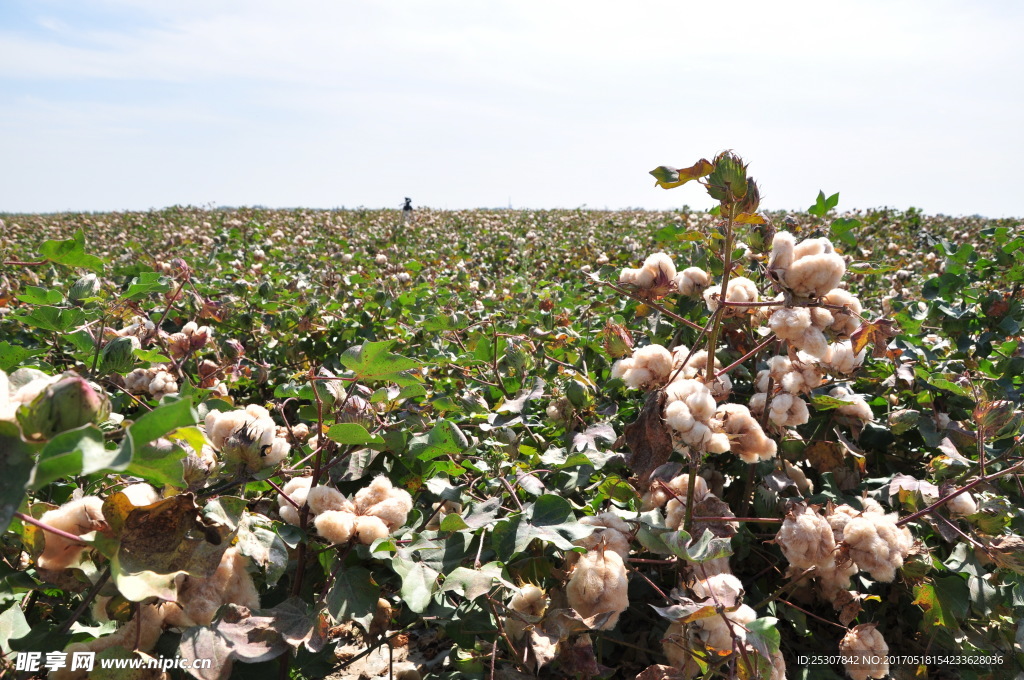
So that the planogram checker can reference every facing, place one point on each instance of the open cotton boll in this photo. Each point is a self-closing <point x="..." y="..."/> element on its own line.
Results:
<point x="661" y="265"/>
<point x="297" y="488"/>
<point x="787" y="410"/>
<point x="806" y="539"/>
<point x="599" y="585"/>
<point x="834" y="578"/>
<point x="657" y="496"/>
<point x="337" y="526"/>
<point x="815" y="275"/>
<point x="141" y="633"/>
<point x="322" y="498"/>
<point x="383" y="501"/>
<point x="790" y="323"/>
<point x="877" y="544"/>
<point x="856" y="407"/>
<point x="803" y="485"/>
<point x="746" y="438"/>
<point x="841" y="359"/>
<point x="842" y="514"/>
<point x="200" y="598"/>
<point x="75" y="517"/>
<point x="723" y="589"/>
<point x="781" y="258"/>
<point x="866" y="652"/>
<point x="844" y="324"/>
<point x="962" y="505"/>
<point x="141" y="494"/>
<point x="656" y="359"/>
<point x="741" y="289"/>
<point x="692" y="281"/>
<point x="716" y="629"/>
<point x="368" y="529"/>
<point x="812" y="246"/>
<point x="612" y="530"/>
<point x="530" y="600"/>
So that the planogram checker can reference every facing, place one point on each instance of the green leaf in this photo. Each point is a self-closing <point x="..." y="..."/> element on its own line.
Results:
<point x="52" y="319"/>
<point x="707" y="547"/>
<point x="145" y="284"/>
<point x="419" y="582"/>
<point x="12" y="625"/>
<point x="372" y="362"/>
<point x="822" y="205"/>
<point x="763" y="636"/>
<point x="842" y="229"/>
<point x="12" y="355"/>
<point x="352" y="434"/>
<point x="34" y="295"/>
<point x="444" y="439"/>
<point x="552" y="520"/>
<point x="472" y="583"/>
<point x="257" y="539"/>
<point x="668" y="177"/>
<point x="16" y="463"/>
<point x="151" y="355"/>
<point x="353" y="596"/>
<point x="77" y="452"/>
<point x="71" y="253"/>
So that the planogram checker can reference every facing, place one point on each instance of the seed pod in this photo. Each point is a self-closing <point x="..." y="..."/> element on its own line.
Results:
<point x="86" y="287"/>
<point x="118" y="356"/>
<point x="728" y="182"/>
<point x="66" y="404"/>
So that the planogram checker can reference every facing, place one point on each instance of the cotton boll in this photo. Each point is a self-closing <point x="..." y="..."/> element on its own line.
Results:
<point x="877" y="545"/>
<point x="717" y="633"/>
<point x="840" y="358"/>
<point x="599" y="585"/>
<point x="711" y="296"/>
<point x="868" y="651"/>
<point x="75" y="517"/>
<point x="145" y="629"/>
<point x="718" y="443"/>
<point x="815" y="275"/>
<point x="962" y="505"/>
<point x="656" y="359"/>
<point x="141" y="494"/>
<point x="200" y="598"/>
<point x="368" y="529"/>
<point x="790" y="323"/>
<point x="812" y="246"/>
<point x="821" y="318"/>
<point x="323" y="498"/>
<point x="844" y="323"/>
<point x="662" y="266"/>
<point x="788" y="410"/>
<point x="857" y="408"/>
<point x="629" y="276"/>
<point x="678" y="417"/>
<point x="747" y="439"/>
<point x="394" y="511"/>
<point x="297" y="489"/>
<point x="783" y="246"/>
<point x="378" y="490"/>
<point x="806" y="539"/>
<point x="803" y="485"/>
<point x="530" y="600"/>
<point x="692" y="281"/>
<point x="657" y="496"/>
<point x="613" y="531"/>
<point x="723" y="589"/>
<point x="337" y="526"/>
<point x="832" y="579"/>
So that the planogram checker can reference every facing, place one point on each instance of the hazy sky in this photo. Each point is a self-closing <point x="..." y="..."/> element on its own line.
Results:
<point x="137" y="104"/>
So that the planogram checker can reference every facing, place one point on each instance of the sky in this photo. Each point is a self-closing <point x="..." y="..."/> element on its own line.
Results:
<point x="134" y="104"/>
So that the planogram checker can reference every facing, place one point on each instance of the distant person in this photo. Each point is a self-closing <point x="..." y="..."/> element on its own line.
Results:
<point x="407" y="210"/>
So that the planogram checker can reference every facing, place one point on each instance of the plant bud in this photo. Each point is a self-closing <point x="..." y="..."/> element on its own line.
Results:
<point x="516" y="354"/>
<point x="903" y="420"/>
<point x="233" y="349"/>
<point x="86" y="287"/>
<point x="577" y="393"/>
<point x="118" y="356"/>
<point x="728" y="182"/>
<point x="997" y="418"/>
<point x="617" y="340"/>
<point x="66" y="404"/>
<point x="751" y="199"/>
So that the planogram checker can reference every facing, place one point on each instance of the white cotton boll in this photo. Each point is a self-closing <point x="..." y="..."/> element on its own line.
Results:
<point x="278" y="451"/>
<point x="639" y="378"/>
<point x="692" y="281"/>
<point x="322" y="498"/>
<point x="394" y="511"/>
<point x="962" y="505"/>
<point x="856" y="408"/>
<point x="656" y="359"/>
<point x="661" y="265"/>
<point x="841" y="359"/>
<point x="612" y="531"/>
<point x="813" y="342"/>
<point x="820" y="318"/>
<point x="788" y="410"/>
<point x="866" y="652"/>
<point x="337" y="526"/>
<point x="599" y="585"/>
<point x="790" y="323"/>
<point x="742" y="289"/>
<point x="803" y="485"/>
<point x="783" y="246"/>
<point x="718" y="443"/>
<point x="378" y="490"/>
<point x="845" y="323"/>
<point x="629" y="276"/>
<point x="190" y="328"/>
<point x="141" y="494"/>
<point x="815" y="275"/>
<point x="702" y="404"/>
<point x="368" y="529"/>
<point x="877" y="544"/>
<point x="711" y="295"/>
<point x="198" y="599"/>
<point x="620" y="367"/>
<point x="530" y="600"/>
<point x="757" y="402"/>
<point x="723" y="589"/>
<point x="747" y="439"/>
<point x="812" y="246"/>
<point x="698" y="435"/>
<point x="806" y="539"/>
<point x="75" y="517"/>
<point x="832" y="579"/>
<point x="658" y="496"/>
